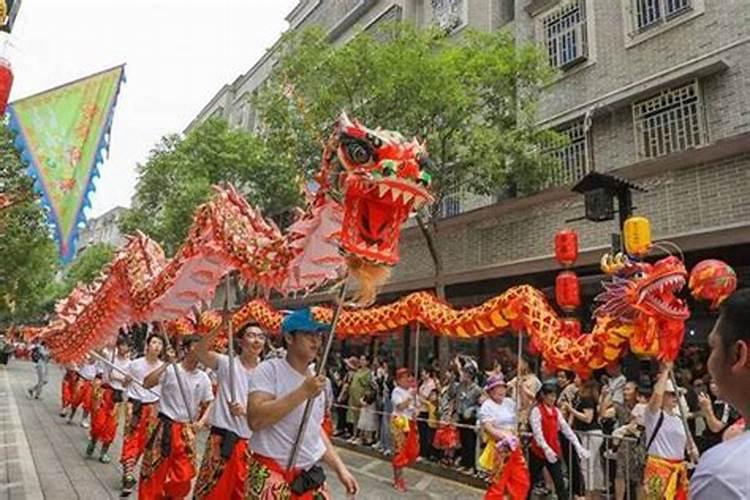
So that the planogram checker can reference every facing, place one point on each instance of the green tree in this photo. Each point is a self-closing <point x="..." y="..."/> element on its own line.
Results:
<point x="28" y="262"/>
<point x="473" y="99"/>
<point x="179" y="173"/>
<point x="87" y="266"/>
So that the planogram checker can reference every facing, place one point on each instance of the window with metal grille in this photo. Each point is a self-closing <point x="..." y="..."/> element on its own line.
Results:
<point x="450" y="205"/>
<point x="650" y="13"/>
<point x="571" y="157"/>
<point x="565" y="35"/>
<point x="670" y="121"/>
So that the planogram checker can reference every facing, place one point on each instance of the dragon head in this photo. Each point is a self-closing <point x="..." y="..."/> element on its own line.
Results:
<point x="383" y="179"/>
<point x="640" y="288"/>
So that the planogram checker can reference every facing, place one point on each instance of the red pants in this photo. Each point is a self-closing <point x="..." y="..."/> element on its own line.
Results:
<point x="511" y="479"/>
<point x="104" y="419"/>
<point x="267" y="480"/>
<point x="83" y="395"/>
<point x="138" y="428"/>
<point x="69" y="382"/>
<point x="171" y="476"/>
<point x="219" y="478"/>
<point x="406" y="444"/>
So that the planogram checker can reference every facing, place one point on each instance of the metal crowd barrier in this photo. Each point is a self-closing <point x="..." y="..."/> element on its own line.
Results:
<point x="601" y="461"/>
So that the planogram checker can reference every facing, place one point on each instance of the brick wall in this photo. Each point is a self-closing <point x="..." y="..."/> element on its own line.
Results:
<point x="679" y="201"/>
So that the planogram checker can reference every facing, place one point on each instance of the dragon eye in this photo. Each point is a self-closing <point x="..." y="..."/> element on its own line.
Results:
<point x="359" y="152"/>
<point x="389" y="168"/>
<point x="639" y="275"/>
<point x="424" y="178"/>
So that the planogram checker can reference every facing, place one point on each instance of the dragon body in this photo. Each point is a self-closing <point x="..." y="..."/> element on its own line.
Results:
<point x="369" y="183"/>
<point x="638" y="311"/>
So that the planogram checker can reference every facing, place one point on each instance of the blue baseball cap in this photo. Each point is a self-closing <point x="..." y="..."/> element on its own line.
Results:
<point x="302" y="320"/>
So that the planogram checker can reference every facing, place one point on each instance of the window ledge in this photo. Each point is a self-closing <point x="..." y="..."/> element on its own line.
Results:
<point x="634" y="39"/>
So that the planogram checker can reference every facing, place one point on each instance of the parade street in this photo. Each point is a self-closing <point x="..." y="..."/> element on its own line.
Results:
<point x="42" y="457"/>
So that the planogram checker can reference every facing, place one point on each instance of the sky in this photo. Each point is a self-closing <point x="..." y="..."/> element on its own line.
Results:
<point x="178" y="54"/>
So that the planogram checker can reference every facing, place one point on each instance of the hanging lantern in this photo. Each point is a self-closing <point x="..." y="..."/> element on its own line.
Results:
<point x="568" y="291"/>
<point x="6" y="82"/>
<point x="566" y="247"/>
<point x="637" y="232"/>
<point x="570" y="328"/>
<point x="712" y="280"/>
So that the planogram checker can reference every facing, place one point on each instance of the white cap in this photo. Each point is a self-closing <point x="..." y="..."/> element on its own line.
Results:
<point x="670" y="387"/>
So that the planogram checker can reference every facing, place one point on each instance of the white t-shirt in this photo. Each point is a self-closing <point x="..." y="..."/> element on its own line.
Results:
<point x="277" y="378"/>
<point x="113" y="377"/>
<point x="398" y="396"/>
<point x="197" y="388"/>
<point x="723" y="473"/>
<point x="138" y="370"/>
<point x="670" y="440"/>
<point x="87" y="371"/>
<point x="501" y="415"/>
<point x="220" y="415"/>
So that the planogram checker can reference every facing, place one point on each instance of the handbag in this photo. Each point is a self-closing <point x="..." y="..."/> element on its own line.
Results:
<point x="311" y="479"/>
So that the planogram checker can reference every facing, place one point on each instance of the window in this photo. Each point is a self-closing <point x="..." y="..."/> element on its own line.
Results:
<point x="450" y="205"/>
<point x="449" y="15"/>
<point x="572" y="157"/>
<point x="650" y="13"/>
<point x="670" y="121"/>
<point x="564" y="32"/>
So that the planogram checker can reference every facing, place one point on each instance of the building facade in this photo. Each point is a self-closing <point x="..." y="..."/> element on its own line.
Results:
<point x="102" y="229"/>
<point x="654" y="91"/>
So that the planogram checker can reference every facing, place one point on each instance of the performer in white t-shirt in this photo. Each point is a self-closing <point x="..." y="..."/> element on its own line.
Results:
<point x="224" y="467"/>
<point x="108" y="397"/>
<point x="141" y="410"/>
<point x="279" y="391"/>
<point x="404" y="426"/>
<point x="168" y="465"/>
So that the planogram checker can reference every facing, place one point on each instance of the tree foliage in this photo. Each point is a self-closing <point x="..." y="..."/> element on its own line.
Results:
<point x="29" y="257"/>
<point x="179" y="173"/>
<point x="472" y="99"/>
<point x="88" y="265"/>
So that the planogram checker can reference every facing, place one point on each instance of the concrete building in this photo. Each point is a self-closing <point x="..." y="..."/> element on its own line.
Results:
<point x="656" y="91"/>
<point x="102" y="229"/>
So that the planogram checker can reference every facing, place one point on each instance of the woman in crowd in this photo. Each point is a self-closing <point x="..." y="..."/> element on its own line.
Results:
<point x="719" y="416"/>
<point x="502" y="456"/>
<point x="584" y="418"/>
<point x="426" y="434"/>
<point x="665" y="476"/>
<point x="467" y="397"/>
<point x="547" y="423"/>
<point x="446" y="437"/>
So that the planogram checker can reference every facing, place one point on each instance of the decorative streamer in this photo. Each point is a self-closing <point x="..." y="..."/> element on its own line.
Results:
<point x="62" y="135"/>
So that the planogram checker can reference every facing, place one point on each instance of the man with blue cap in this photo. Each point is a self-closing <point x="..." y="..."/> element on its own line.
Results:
<point x="279" y="390"/>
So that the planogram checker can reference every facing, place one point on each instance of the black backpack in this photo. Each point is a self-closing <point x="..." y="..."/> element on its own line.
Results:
<point x="36" y="356"/>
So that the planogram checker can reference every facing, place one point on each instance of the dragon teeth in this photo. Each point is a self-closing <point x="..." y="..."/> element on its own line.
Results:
<point x="383" y="188"/>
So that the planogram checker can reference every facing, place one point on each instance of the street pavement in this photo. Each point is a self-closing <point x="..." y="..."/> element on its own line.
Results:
<point x="43" y="457"/>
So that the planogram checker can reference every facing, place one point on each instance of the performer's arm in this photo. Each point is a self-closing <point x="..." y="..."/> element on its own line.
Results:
<point x="332" y="460"/>
<point x="654" y="404"/>
<point x="153" y="378"/>
<point x="265" y="410"/>
<point x="568" y="432"/>
<point x="205" y="355"/>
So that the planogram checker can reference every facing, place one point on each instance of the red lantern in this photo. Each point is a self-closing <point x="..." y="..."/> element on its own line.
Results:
<point x="566" y="247"/>
<point x="6" y="82"/>
<point x="570" y="328"/>
<point x="568" y="291"/>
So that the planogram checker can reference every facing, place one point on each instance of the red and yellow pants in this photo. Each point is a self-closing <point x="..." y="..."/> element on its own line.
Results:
<point x="104" y="418"/>
<point x="665" y="479"/>
<point x="405" y="441"/>
<point x="168" y="465"/>
<point x="139" y="423"/>
<point x="69" y="383"/>
<point x="267" y="480"/>
<point x="83" y="395"/>
<point x="220" y="478"/>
